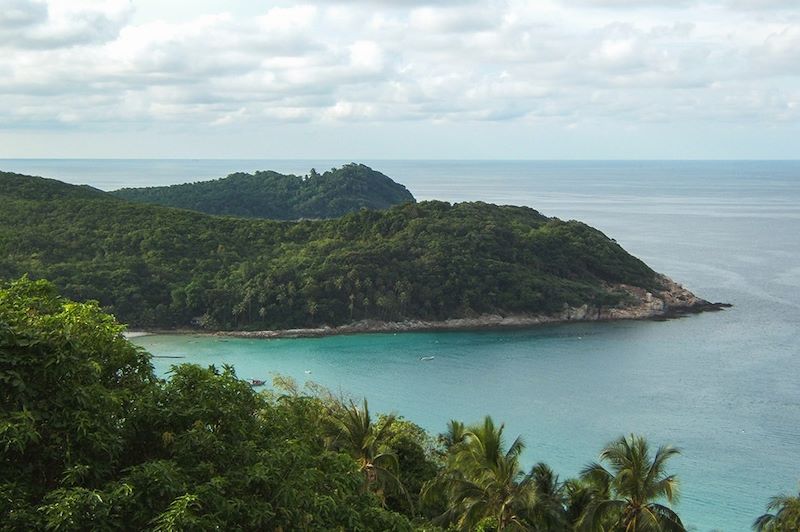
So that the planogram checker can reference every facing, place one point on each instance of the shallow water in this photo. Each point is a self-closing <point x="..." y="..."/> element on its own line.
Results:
<point x="722" y="386"/>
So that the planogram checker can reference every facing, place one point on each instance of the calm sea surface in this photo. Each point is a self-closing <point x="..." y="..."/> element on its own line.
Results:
<point x="725" y="386"/>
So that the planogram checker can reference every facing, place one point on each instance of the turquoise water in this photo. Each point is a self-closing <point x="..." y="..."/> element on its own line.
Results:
<point x="724" y="387"/>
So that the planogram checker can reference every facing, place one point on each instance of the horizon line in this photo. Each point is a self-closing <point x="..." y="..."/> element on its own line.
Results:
<point x="351" y="159"/>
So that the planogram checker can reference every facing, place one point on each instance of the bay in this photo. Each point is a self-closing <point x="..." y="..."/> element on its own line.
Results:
<point x="722" y="386"/>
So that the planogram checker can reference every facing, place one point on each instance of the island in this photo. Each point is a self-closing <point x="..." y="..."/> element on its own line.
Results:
<point x="421" y="265"/>
<point x="279" y="196"/>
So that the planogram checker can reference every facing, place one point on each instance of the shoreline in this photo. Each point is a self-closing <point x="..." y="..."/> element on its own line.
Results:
<point x="486" y="322"/>
<point x="674" y="301"/>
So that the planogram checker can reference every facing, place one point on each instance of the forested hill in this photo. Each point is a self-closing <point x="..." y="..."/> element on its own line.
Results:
<point x="162" y="267"/>
<point x="281" y="197"/>
<point x="18" y="186"/>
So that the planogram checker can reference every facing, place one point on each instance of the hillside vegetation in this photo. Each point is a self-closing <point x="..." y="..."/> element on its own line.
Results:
<point x="281" y="197"/>
<point x="90" y="439"/>
<point x="159" y="266"/>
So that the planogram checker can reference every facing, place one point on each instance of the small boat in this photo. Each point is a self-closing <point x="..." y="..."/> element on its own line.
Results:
<point x="308" y="372"/>
<point x="257" y="382"/>
<point x="426" y="359"/>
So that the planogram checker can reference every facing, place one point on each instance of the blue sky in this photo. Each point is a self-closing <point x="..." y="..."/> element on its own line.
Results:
<point x="552" y="79"/>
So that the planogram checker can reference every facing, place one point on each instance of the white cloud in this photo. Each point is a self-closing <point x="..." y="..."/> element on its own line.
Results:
<point x="286" y="20"/>
<point x="779" y="55"/>
<point x="366" y="55"/>
<point x="763" y="4"/>
<point x="451" y="19"/>
<point x="21" y="14"/>
<point x="36" y="24"/>
<point x="635" y="3"/>
<point x="97" y="65"/>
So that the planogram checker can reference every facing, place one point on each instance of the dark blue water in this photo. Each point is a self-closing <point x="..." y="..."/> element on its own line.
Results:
<point x="725" y="387"/>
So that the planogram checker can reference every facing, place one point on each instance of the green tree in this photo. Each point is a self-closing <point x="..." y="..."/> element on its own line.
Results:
<point x="783" y="515"/>
<point x="278" y="196"/>
<point x="91" y="440"/>
<point x="416" y="461"/>
<point x="69" y="384"/>
<point x="483" y="481"/>
<point x="355" y="433"/>
<point x="627" y="492"/>
<point x="155" y="266"/>
<point x="548" y="508"/>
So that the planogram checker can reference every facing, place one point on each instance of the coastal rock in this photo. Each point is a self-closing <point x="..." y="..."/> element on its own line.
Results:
<point x="671" y="300"/>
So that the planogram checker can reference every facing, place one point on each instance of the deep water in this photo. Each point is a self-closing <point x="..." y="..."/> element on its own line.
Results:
<point x="725" y="387"/>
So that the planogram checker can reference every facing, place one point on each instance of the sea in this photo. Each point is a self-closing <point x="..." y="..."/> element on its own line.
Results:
<point x="724" y="387"/>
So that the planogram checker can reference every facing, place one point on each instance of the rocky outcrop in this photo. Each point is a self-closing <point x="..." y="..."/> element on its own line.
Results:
<point x="671" y="300"/>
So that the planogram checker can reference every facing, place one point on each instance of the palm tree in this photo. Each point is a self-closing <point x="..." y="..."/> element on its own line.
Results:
<point x="455" y="435"/>
<point x="548" y="509"/>
<point x="786" y="517"/>
<point x="578" y="495"/>
<point x="355" y="434"/>
<point x="483" y="480"/>
<point x="632" y="485"/>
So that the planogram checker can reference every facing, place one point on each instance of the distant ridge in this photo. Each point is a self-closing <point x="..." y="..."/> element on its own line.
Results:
<point x="27" y="187"/>
<point x="275" y="196"/>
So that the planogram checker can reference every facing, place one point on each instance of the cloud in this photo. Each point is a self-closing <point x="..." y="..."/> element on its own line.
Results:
<point x="763" y="4"/>
<point x="451" y="20"/>
<point x="21" y="14"/>
<point x="401" y="4"/>
<point x="684" y="4"/>
<point x="674" y="4"/>
<point x="778" y="55"/>
<point x="366" y="55"/>
<point x="31" y="24"/>
<point x="93" y="65"/>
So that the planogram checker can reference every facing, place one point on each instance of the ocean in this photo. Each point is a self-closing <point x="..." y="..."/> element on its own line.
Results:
<point x="724" y="387"/>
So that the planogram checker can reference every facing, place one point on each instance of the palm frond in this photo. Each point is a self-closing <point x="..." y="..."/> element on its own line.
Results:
<point x="786" y="516"/>
<point x="515" y="449"/>
<point x="596" y="512"/>
<point x="667" y="487"/>
<point x="764" y="523"/>
<point x="668" y="520"/>
<point x="597" y="475"/>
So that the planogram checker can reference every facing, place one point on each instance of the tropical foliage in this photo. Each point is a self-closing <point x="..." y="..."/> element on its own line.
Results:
<point x="483" y="481"/>
<point x="484" y="486"/>
<point x="783" y="515"/>
<point x="90" y="439"/>
<point x="280" y="197"/>
<point x="154" y="266"/>
<point x="627" y="493"/>
<point x="354" y="432"/>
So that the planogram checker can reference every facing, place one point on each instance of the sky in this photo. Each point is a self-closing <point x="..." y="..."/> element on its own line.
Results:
<point x="402" y="79"/>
